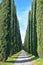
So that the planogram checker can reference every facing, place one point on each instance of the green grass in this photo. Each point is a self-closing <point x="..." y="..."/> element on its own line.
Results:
<point x="36" y="60"/>
<point x="11" y="59"/>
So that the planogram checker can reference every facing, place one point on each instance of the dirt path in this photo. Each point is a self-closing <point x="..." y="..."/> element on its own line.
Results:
<point x="23" y="59"/>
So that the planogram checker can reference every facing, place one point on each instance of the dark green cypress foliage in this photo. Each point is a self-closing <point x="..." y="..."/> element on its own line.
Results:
<point x="15" y="33"/>
<point x="10" y="39"/>
<point x="16" y="30"/>
<point x="25" y="47"/>
<point x="5" y="20"/>
<point x="31" y="45"/>
<point x="30" y="31"/>
<point x="40" y="27"/>
<point x="15" y="48"/>
<point x="27" y="42"/>
<point x="12" y="27"/>
<point x="18" y="35"/>
<point x="34" y="29"/>
<point x="19" y="42"/>
<point x="1" y="31"/>
<point x="0" y="6"/>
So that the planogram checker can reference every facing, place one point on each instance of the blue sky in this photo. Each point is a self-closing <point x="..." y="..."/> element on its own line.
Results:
<point x="0" y="0"/>
<point x="22" y="8"/>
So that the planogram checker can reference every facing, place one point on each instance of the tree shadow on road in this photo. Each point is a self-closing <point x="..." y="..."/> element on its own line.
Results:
<point x="22" y="61"/>
<point x="19" y="61"/>
<point x="20" y="57"/>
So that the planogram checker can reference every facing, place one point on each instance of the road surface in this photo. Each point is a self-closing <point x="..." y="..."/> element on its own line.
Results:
<point x="23" y="59"/>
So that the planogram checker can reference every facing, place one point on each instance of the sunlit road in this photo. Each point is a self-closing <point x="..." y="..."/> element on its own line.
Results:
<point x="23" y="59"/>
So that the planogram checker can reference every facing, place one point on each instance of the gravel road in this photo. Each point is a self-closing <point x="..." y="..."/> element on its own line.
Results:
<point x="23" y="59"/>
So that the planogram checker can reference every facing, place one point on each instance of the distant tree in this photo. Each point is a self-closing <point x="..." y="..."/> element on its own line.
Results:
<point x="19" y="42"/>
<point x="27" y="41"/>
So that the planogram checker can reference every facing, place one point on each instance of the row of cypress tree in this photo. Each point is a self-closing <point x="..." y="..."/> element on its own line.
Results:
<point x="10" y="39"/>
<point x="34" y="34"/>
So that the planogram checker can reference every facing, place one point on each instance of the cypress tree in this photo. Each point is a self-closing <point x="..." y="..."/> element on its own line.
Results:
<point x="5" y="36"/>
<point x="12" y="27"/>
<point x="27" y="41"/>
<point x="29" y="28"/>
<point x="19" y="42"/>
<point x="33" y="29"/>
<point x="10" y="39"/>
<point x="29" y="31"/>
<point x="40" y="27"/>
<point x="1" y="31"/>
<point x="15" y="33"/>
<point x="25" y="45"/>
<point x="35" y="32"/>
<point x="31" y="45"/>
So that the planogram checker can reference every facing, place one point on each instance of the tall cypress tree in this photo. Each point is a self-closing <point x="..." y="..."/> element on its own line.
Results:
<point x="40" y="27"/>
<point x="12" y="26"/>
<point x="31" y="33"/>
<point x="29" y="28"/>
<point x="1" y="31"/>
<point x="33" y="29"/>
<point x="25" y="45"/>
<point x="5" y="36"/>
<point x="10" y="39"/>
<point x="27" y="42"/>
<point x="15" y="31"/>
<point x="35" y="32"/>
<point x="19" y="42"/>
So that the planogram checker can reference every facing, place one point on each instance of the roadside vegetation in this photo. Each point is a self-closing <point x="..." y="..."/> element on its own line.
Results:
<point x="11" y="59"/>
<point x="10" y="38"/>
<point x="33" y="42"/>
<point x="35" y="60"/>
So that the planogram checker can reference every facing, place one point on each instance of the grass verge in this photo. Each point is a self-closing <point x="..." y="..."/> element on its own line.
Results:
<point x="11" y="59"/>
<point x="35" y="60"/>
